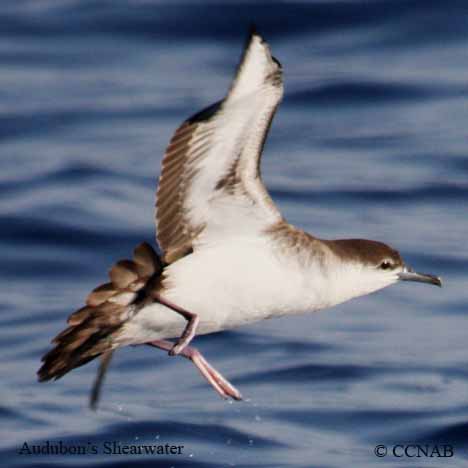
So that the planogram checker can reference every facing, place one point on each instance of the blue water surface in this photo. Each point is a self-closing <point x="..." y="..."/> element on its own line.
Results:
<point x="371" y="141"/>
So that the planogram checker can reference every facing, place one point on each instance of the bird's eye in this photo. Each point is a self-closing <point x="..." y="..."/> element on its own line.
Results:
<point x="385" y="265"/>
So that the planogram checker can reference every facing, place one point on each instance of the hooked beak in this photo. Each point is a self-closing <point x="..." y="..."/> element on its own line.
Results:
<point x="408" y="274"/>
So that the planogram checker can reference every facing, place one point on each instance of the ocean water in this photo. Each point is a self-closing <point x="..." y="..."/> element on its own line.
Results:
<point x="371" y="141"/>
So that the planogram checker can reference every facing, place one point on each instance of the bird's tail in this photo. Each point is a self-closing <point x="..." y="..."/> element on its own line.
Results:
<point x="93" y="328"/>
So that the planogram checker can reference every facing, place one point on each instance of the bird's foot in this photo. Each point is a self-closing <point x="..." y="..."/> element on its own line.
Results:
<point x="221" y="385"/>
<point x="215" y="378"/>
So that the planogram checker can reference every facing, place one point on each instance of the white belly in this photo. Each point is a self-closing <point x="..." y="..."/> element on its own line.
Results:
<point x="227" y="285"/>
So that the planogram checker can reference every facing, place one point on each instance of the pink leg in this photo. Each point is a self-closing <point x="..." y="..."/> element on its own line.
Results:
<point x="190" y="329"/>
<point x="217" y="381"/>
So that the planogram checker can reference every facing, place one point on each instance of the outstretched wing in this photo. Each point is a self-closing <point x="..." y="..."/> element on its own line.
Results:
<point x="210" y="185"/>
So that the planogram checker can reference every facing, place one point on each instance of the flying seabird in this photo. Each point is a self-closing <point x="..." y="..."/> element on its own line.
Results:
<point x="229" y="257"/>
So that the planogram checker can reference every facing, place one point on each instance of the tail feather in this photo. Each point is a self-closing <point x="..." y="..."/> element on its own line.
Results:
<point x="92" y="328"/>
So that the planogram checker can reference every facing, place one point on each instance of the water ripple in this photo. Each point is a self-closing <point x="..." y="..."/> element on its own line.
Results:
<point x="371" y="138"/>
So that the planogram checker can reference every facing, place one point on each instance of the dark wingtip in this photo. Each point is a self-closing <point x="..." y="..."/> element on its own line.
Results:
<point x="253" y="31"/>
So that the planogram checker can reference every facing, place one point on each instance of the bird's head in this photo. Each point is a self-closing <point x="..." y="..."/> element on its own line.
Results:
<point x="367" y="266"/>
